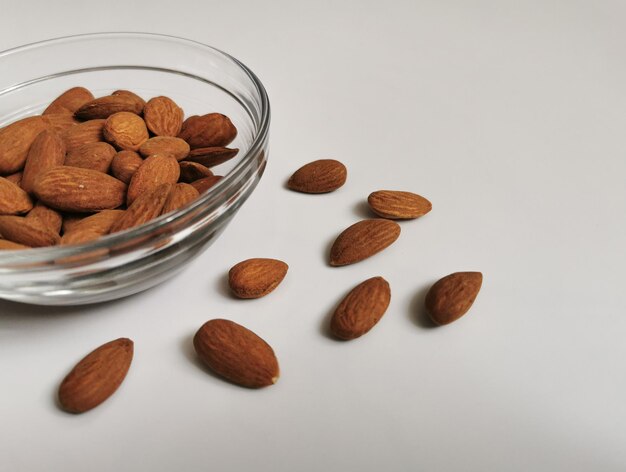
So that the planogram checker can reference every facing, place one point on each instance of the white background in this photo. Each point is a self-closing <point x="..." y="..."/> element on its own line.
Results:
<point x="509" y="116"/>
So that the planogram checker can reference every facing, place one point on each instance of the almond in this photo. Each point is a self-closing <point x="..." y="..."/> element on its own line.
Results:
<point x="139" y="102"/>
<point x="180" y="195"/>
<point x="192" y="171"/>
<point x="125" y="164"/>
<point x="452" y="296"/>
<point x="15" y="141"/>
<point x="362" y="240"/>
<point x="71" y="220"/>
<point x="29" y="232"/>
<point x="10" y="245"/>
<point x="209" y="130"/>
<point x="87" y="132"/>
<point x="398" y="205"/>
<point x="204" y="184"/>
<point x="361" y="309"/>
<point x="236" y="354"/>
<point x="48" y="217"/>
<point x="125" y="130"/>
<point x="321" y="176"/>
<point x="211" y="156"/>
<point x="92" y="227"/>
<point x="69" y="101"/>
<point x="104" y="107"/>
<point x="255" y="278"/>
<point x="175" y="147"/>
<point x="96" y="377"/>
<point x="79" y="190"/>
<point x="154" y="171"/>
<point x="144" y="208"/>
<point x="163" y="116"/>
<point x="46" y="152"/>
<point x="16" y="178"/>
<point x="96" y="156"/>
<point x="59" y="122"/>
<point x="13" y="200"/>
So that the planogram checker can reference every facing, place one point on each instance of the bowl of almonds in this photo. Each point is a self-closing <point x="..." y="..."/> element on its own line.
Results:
<point x="122" y="157"/>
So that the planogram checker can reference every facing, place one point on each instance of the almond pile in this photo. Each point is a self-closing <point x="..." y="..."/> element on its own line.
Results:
<point x="88" y="167"/>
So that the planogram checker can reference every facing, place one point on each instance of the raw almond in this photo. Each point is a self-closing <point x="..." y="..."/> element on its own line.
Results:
<point x="79" y="190"/>
<point x="180" y="195"/>
<point x="46" y="152"/>
<point x="15" y="141"/>
<point x="104" y="107"/>
<point x="163" y="116"/>
<point x="192" y="171"/>
<point x="125" y="130"/>
<point x="452" y="296"/>
<point x="96" y="156"/>
<point x="48" y="217"/>
<point x="255" y="278"/>
<point x="96" y="377"/>
<point x="13" y="200"/>
<point x="16" y="178"/>
<point x="362" y="240"/>
<point x="236" y="354"/>
<point x="204" y="184"/>
<point x="10" y="245"/>
<point x="29" y="232"/>
<point x="139" y="102"/>
<point x="87" y="132"/>
<point x="125" y="164"/>
<point x="71" y="220"/>
<point x="175" y="147"/>
<point x="398" y="205"/>
<point x="361" y="309"/>
<point x="211" y="130"/>
<point x="69" y="101"/>
<point x="144" y="208"/>
<point x="211" y="156"/>
<point x="92" y="227"/>
<point x="154" y="171"/>
<point x="59" y="122"/>
<point x="321" y="176"/>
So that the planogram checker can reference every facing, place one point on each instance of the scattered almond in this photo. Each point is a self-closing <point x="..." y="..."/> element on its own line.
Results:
<point x="125" y="130"/>
<point x="175" y="147"/>
<point x="163" y="117"/>
<point x="255" y="278"/>
<point x="398" y="205"/>
<point x="211" y="130"/>
<point x="321" y="176"/>
<point x="154" y="171"/>
<point x="362" y="240"/>
<point x="452" y="296"/>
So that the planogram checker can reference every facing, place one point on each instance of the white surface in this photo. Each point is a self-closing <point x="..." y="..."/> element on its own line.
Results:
<point x="509" y="116"/>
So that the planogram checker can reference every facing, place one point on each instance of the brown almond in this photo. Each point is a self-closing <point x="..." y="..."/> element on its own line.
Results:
<point x="46" y="152"/>
<point x="321" y="176"/>
<point x="59" y="122"/>
<point x="125" y="164"/>
<point x="361" y="309"/>
<point x="92" y="227"/>
<point x="204" y="184"/>
<point x="452" y="296"/>
<point x="163" y="116"/>
<point x="48" y="217"/>
<point x="362" y="240"/>
<point x="211" y="156"/>
<point x="139" y="102"/>
<point x="104" y="107"/>
<point x="83" y="133"/>
<point x="212" y="130"/>
<point x="79" y="190"/>
<point x="69" y="101"/>
<point x="180" y="195"/>
<point x="71" y="220"/>
<point x="125" y="130"/>
<point x="96" y="156"/>
<point x="144" y="208"/>
<point x="192" y="171"/>
<point x="175" y="147"/>
<point x="96" y="377"/>
<point x="255" y="278"/>
<point x="29" y="232"/>
<point x="16" y="178"/>
<point x="236" y="354"/>
<point x="15" y="141"/>
<point x="154" y="171"/>
<point x="13" y="200"/>
<point x="6" y="245"/>
<point x="398" y="205"/>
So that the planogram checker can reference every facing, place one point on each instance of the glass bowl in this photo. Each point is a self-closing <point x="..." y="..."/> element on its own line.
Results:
<point x="201" y="80"/>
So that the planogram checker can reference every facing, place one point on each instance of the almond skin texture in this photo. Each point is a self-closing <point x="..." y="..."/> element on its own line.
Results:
<point x="104" y="107"/>
<point x="321" y="176"/>
<point x="361" y="309"/>
<point x="15" y="141"/>
<point x="70" y="220"/>
<point x="16" y="178"/>
<point x="452" y="296"/>
<point x="398" y="205"/>
<point x="59" y="122"/>
<point x="202" y="185"/>
<point x="10" y="245"/>
<point x="236" y="354"/>
<point x="48" y="217"/>
<point x="96" y="377"/>
<point x="362" y="240"/>
<point x="192" y="171"/>
<point x="146" y="207"/>
<point x="46" y="152"/>
<point x="87" y="132"/>
<point x="154" y="171"/>
<point x="212" y="156"/>
<point x="180" y="195"/>
<point x="96" y="156"/>
<point x="255" y="278"/>
<point x="13" y="200"/>
<point x="125" y="164"/>
<point x="175" y="147"/>
<point x="209" y="130"/>
<point x="92" y="227"/>
<point x="69" y="101"/>
<point x="29" y="232"/>
<point x="79" y="190"/>
<point x="125" y="130"/>
<point x="163" y="116"/>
